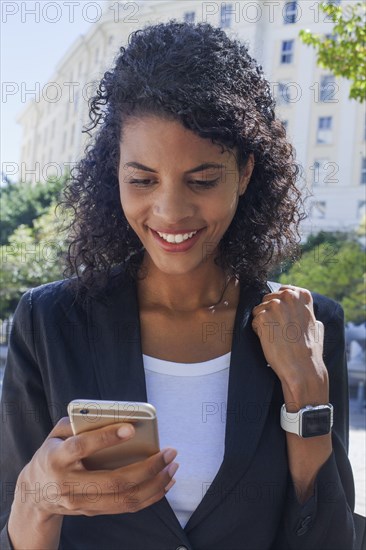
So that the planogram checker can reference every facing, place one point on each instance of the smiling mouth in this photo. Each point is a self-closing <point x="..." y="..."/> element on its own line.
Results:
<point x="176" y="237"/>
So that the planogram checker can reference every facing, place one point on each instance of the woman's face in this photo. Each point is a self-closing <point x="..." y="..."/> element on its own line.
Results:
<point x="179" y="192"/>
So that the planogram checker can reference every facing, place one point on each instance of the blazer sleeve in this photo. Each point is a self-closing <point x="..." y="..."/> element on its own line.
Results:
<point x="25" y="419"/>
<point x="325" y="520"/>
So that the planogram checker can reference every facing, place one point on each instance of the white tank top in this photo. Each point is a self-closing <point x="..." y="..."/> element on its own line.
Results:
<point x="191" y="402"/>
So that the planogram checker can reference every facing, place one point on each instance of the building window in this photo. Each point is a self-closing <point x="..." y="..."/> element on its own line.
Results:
<point x="363" y="171"/>
<point x="225" y="14"/>
<point x="361" y="210"/>
<point x="189" y="16"/>
<point x="290" y="13"/>
<point x="331" y="3"/>
<point x="320" y="172"/>
<point x="287" y="51"/>
<point x="283" y="94"/>
<point x="327" y="88"/>
<point x="324" y="134"/>
<point x="317" y="210"/>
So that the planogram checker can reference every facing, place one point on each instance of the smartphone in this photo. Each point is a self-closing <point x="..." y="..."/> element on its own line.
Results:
<point x="90" y="414"/>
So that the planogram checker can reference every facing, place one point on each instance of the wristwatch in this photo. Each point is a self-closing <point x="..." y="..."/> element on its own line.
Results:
<point x="309" y="421"/>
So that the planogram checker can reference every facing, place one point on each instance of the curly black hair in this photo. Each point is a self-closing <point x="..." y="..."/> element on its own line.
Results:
<point x="197" y="75"/>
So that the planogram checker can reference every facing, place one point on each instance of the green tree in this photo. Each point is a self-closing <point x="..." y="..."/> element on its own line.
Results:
<point x="335" y="268"/>
<point x="22" y="203"/>
<point x="344" y="52"/>
<point x="32" y="256"/>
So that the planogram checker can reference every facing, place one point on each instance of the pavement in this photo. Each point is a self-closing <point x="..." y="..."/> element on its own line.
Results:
<point x="357" y="452"/>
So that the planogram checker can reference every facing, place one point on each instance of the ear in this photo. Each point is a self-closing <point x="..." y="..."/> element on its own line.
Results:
<point x="246" y="174"/>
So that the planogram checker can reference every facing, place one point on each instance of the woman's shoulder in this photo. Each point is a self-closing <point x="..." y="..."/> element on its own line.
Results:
<point x="66" y="294"/>
<point x="327" y="309"/>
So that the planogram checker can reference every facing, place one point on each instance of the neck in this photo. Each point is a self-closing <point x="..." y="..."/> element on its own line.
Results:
<point x="206" y="288"/>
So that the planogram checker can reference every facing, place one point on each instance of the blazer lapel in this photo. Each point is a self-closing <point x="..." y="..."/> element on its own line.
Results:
<point x="115" y="337"/>
<point x="249" y="395"/>
<point x="114" y="333"/>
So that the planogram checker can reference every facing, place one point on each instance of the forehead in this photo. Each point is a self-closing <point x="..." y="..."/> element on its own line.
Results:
<point x="167" y="140"/>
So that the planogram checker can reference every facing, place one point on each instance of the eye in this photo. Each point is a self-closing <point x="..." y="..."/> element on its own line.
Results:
<point x="198" y="183"/>
<point x="205" y="183"/>
<point x="141" y="182"/>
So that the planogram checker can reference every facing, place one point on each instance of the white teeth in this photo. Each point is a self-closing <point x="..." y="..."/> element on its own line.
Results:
<point x="179" y="238"/>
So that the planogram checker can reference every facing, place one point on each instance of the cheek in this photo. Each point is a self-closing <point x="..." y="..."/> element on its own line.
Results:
<point x="135" y="208"/>
<point x="225" y="206"/>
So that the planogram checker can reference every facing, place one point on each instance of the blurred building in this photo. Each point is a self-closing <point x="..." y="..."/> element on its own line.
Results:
<point x="327" y="129"/>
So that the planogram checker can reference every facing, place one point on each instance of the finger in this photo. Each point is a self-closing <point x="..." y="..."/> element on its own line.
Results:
<point x="144" y="470"/>
<point x="279" y="292"/>
<point x="117" y="495"/>
<point x="87" y="443"/>
<point x="150" y="492"/>
<point x="265" y="304"/>
<point x="130" y="500"/>
<point x="62" y="429"/>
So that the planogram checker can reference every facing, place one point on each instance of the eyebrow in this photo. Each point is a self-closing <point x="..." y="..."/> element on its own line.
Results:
<point x="199" y="168"/>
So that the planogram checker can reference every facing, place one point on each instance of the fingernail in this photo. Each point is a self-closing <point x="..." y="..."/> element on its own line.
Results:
<point x="124" y="431"/>
<point x="172" y="468"/>
<point x="169" y="455"/>
<point x="170" y="485"/>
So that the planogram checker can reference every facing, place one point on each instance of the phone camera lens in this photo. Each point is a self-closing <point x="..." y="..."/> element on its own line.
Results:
<point x="84" y="411"/>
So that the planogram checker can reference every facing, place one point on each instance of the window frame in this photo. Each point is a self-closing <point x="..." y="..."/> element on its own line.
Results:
<point x="287" y="54"/>
<point x="226" y="11"/>
<point x="324" y="128"/>
<point x="290" y="15"/>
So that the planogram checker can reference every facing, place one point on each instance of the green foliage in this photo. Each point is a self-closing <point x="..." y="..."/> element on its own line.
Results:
<point x="21" y="203"/>
<point x="333" y="265"/>
<point x="345" y="52"/>
<point x="32" y="255"/>
<point x="354" y="304"/>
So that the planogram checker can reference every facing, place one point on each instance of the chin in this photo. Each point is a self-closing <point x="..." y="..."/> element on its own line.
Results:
<point x="175" y="266"/>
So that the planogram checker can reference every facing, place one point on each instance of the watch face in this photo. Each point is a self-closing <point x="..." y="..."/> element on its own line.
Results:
<point x="316" y="422"/>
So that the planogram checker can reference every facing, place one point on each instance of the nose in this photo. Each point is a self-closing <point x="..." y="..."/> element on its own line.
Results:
<point x="173" y="205"/>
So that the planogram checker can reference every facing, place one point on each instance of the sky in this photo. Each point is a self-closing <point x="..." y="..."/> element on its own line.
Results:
<point x="31" y="46"/>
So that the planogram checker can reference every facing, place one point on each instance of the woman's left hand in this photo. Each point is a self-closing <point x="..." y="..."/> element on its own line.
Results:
<point x="292" y="342"/>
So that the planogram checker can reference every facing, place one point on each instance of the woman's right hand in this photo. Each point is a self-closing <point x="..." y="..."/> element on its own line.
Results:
<point x="56" y="482"/>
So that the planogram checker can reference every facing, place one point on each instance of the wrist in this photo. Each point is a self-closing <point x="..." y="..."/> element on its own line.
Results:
<point x="33" y="528"/>
<point x="303" y="391"/>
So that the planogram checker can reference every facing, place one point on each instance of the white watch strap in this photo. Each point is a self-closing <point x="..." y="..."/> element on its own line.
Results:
<point x="291" y="422"/>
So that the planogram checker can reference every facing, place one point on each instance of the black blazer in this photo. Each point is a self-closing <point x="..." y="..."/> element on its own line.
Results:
<point x="61" y="350"/>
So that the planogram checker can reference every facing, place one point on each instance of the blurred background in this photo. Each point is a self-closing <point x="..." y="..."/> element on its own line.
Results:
<point x="54" y="53"/>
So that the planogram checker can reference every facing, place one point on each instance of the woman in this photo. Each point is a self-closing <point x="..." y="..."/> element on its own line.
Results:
<point x="184" y="201"/>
